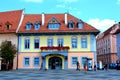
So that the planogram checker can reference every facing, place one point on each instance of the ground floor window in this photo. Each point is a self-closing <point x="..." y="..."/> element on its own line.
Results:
<point x="84" y="60"/>
<point x="74" y="61"/>
<point x="26" y="61"/>
<point x="36" y="61"/>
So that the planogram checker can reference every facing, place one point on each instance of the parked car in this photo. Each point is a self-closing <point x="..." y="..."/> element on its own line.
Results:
<point x="112" y="65"/>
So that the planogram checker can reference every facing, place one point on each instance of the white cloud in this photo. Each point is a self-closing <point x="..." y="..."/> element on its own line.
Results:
<point x="60" y="6"/>
<point x="118" y="1"/>
<point x="67" y="1"/>
<point x="102" y="25"/>
<point x="35" y="1"/>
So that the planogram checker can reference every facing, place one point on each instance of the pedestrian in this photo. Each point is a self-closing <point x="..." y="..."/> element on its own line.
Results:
<point x="94" y="67"/>
<point x="85" y="68"/>
<point x="41" y="66"/>
<point x="105" y="67"/>
<point x="78" y="66"/>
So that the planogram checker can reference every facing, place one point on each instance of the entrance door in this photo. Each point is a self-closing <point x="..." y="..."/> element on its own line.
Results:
<point x="55" y="63"/>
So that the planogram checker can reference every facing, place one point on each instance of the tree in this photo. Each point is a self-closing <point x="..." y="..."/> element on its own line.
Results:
<point x="7" y="52"/>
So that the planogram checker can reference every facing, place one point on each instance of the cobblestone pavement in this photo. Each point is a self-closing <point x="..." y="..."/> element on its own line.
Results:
<point x="59" y="75"/>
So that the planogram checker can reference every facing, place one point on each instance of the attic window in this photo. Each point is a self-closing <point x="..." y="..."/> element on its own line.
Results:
<point x="80" y="24"/>
<point x="8" y="26"/>
<point x="0" y="26"/>
<point x="28" y="25"/>
<point x="71" y="24"/>
<point x="53" y="24"/>
<point x="36" y="25"/>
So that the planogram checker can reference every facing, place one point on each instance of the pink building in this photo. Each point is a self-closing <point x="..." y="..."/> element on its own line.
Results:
<point x="106" y="46"/>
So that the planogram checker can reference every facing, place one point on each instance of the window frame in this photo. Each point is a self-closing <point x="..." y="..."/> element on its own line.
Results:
<point x="27" y="42"/>
<point x="84" y="42"/>
<point x="34" y="64"/>
<point x="24" y="61"/>
<point x="76" y="43"/>
<point x="38" y="43"/>
<point x="48" y="42"/>
<point x="74" y="64"/>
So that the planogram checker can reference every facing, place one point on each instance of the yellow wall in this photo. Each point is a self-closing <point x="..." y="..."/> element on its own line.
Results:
<point x="43" y="42"/>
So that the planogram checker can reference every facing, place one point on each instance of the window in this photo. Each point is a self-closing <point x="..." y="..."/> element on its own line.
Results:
<point x="74" y="42"/>
<point x="84" y="60"/>
<point x="28" y="25"/>
<point x="83" y="42"/>
<point x="27" y="43"/>
<point x="36" y="61"/>
<point x="36" y="43"/>
<point x="71" y="24"/>
<point x="8" y="26"/>
<point x="36" y="26"/>
<point x="50" y="42"/>
<point x="80" y="25"/>
<point x="26" y="61"/>
<point x="53" y="26"/>
<point x="74" y="61"/>
<point x="60" y="42"/>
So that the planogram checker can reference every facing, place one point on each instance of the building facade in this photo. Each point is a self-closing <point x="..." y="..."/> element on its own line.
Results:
<point x="106" y="46"/>
<point x="55" y="41"/>
<point x="117" y="33"/>
<point x="9" y="22"/>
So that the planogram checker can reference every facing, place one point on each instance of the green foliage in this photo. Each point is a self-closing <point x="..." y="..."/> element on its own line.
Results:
<point x="7" y="51"/>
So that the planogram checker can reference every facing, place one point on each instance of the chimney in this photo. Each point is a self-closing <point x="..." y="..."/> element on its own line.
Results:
<point x="66" y="18"/>
<point x="43" y="19"/>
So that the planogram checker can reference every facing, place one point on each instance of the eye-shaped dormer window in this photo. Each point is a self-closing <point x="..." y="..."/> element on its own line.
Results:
<point x="37" y="25"/>
<point x="80" y="24"/>
<point x="8" y="25"/>
<point x="71" y="24"/>
<point x="28" y="25"/>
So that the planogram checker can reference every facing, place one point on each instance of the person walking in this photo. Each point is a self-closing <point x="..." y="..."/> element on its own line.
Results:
<point x="78" y="66"/>
<point x="95" y="67"/>
<point x="85" y="68"/>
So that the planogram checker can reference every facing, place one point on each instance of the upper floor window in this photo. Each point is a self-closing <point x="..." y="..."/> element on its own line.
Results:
<point x="27" y="43"/>
<point x="28" y="26"/>
<point x="50" y="42"/>
<point x="53" y="24"/>
<point x="60" y="42"/>
<point x="36" y="43"/>
<point x="74" y="42"/>
<point x="84" y="42"/>
<point x="80" y="24"/>
<point x="36" y="25"/>
<point x="71" y="24"/>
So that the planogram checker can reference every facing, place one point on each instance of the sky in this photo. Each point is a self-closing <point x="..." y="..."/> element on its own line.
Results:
<point x="101" y="14"/>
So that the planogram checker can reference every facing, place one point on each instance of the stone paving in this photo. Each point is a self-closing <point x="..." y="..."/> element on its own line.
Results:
<point x="59" y="75"/>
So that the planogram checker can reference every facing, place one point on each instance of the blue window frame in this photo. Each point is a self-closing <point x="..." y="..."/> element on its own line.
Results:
<point x="27" y="43"/>
<point x="71" y="25"/>
<point x="80" y="25"/>
<point x="60" y="42"/>
<point x="50" y="42"/>
<point x="26" y="61"/>
<point x="52" y="26"/>
<point x="83" y="42"/>
<point x="36" y="26"/>
<point x="28" y="26"/>
<point x="36" y="61"/>
<point x="84" y="60"/>
<point x="36" y="43"/>
<point x="74" y="42"/>
<point x="74" y="61"/>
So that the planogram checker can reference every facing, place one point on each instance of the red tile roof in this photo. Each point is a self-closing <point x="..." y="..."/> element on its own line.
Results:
<point x="60" y="18"/>
<point x="10" y="17"/>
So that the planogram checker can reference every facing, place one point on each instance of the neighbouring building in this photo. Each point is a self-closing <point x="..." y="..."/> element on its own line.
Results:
<point x="106" y="46"/>
<point x="9" y="22"/>
<point x="117" y="33"/>
<point x="55" y="41"/>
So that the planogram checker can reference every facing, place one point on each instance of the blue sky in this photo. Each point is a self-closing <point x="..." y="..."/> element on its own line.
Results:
<point x="101" y="14"/>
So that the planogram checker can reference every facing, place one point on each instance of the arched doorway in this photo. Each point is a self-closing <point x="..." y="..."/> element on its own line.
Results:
<point x="55" y="63"/>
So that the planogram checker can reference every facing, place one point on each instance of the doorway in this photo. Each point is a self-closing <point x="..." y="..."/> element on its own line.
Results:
<point x="55" y="63"/>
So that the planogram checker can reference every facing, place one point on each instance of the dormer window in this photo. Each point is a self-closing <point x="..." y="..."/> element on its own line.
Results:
<point x="71" y="24"/>
<point x="28" y="25"/>
<point x="8" y="25"/>
<point x="37" y="25"/>
<point x="53" y="24"/>
<point x="80" y="24"/>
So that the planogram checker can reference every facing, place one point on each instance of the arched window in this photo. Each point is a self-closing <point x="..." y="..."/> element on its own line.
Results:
<point x="28" y="25"/>
<point x="37" y="25"/>
<point x="71" y="24"/>
<point x="80" y="24"/>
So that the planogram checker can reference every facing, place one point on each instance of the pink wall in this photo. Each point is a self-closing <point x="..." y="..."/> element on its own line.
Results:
<point x="79" y="55"/>
<point x="31" y="56"/>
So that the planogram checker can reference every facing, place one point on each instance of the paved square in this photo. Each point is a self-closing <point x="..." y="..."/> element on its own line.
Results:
<point x="59" y="75"/>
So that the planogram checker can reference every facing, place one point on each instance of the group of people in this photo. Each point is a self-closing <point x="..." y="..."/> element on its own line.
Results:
<point x="78" y="67"/>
